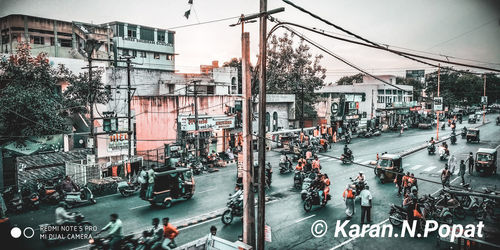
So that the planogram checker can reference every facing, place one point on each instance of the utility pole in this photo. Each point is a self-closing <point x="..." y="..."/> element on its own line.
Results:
<point x="484" y="94"/>
<point x="437" y="112"/>
<point x="302" y="112"/>
<point x="371" y="116"/>
<point x="248" y="195"/>
<point x="196" y="126"/>
<point x="129" y="115"/>
<point x="262" y="126"/>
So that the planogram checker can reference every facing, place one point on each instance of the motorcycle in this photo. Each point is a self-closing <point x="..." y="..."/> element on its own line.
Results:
<point x="347" y="138"/>
<point x="126" y="188"/>
<point x="441" y="214"/>
<point x="313" y="198"/>
<point x="285" y="167"/>
<point x="79" y="226"/>
<point x="347" y="158"/>
<point x="297" y="179"/>
<point x="453" y="139"/>
<point x="30" y="199"/>
<point x="13" y="199"/>
<point x="234" y="208"/>
<point x="360" y="185"/>
<point x="463" y="133"/>
<point x="443" y="154"/>
<point x="431" y="149"/>
<point x="48" y="191"/>
<point x="305" y="187"/>
<point x="126" y="243"/>
<point x="83" y="196"/>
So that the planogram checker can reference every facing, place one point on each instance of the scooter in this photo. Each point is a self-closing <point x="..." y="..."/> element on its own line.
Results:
<point x="48" y="194"/>
<point x="297" y="179"/>
<point x="128" y="188"/>
<point x="305" y="187"/>
<point x="234" y="208"/>
<point x="80" y="198"/>
<point x="443" y="156"/>
<point x="347" y="158"/>
<point x="313" y="198"/>
<point x="453" y="139"/>
<point x="285" y="167"/>
<point x="126" y="243"/>
<point x="347" y="139"/>
<point x="431" y="149"/>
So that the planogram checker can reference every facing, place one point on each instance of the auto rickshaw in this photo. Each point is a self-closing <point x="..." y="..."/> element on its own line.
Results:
<point x="472" y="135"/>
<point x="486" y="160"/>
<point x="472" y="119"/>
<point x="388" y="166"/>
<point x="170" y="184"/>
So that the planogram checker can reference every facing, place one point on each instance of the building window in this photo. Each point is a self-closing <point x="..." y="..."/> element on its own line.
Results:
<point x="171" y="38"/>
<point x="380" y="99"/>
<point x="275" y="121"/>
<point x="134" y="53"/>
<point x="160" y="37"/>
<point x="171" y="88"/>
<point x="147" y="34"/>
<point x="170" y="57"/>
<point x="66" y="43"/>
<point x="143" y="54"/>
<point x="132" y="32"/>
<point x="38" y="40"/>
<point x="380" y="91"/>
<point x="125" y="52"/>
<point x="157" y="55"/>
<point x="52" y="41"/>
<point x="268" y="120"/>
<point x="210" y="90"/>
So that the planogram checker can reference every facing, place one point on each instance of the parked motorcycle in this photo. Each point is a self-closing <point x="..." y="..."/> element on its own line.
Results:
<point x="453" y="139"/>
<point x="234" y="208"/>
<point x="313" y="198"/>
<point x="359" y="186"/>
<point x="30" y="198"/>
<point x="285" y="167"/>
<point x="347" y="138"/>
<point x="13" y="199"/>
<point x="83" y="196"/>
<point x="297" y="179"/>
<point x="48" y="193"/>
<point x="126" y="188"/>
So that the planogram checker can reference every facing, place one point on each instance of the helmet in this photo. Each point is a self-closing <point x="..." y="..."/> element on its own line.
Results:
<point x="360" y="172"/>
<point x="61" y="204"/>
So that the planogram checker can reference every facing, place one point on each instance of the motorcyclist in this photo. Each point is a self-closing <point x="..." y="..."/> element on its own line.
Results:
<point x="360" y="179"/>
<point x="62" y="216"/>
<point x="70" y="189"/>
<point x="453" y="136"/>
<point x="269" y="172"/>
<point x="317" y="185"/>
<point x="464" y="131"/>
<point x="299" y="166"/>
<point x="326" y="187"/>
<point x="315" y="163"/>
<point x="154" y="236"/>
<point x="115" y="231"/>
<point x="347" y="151"/>
<point x="238" y="194"/>
<point x="432" y="141"/>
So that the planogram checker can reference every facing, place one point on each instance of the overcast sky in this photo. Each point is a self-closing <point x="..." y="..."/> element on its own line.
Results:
<point x="468" y="29"/>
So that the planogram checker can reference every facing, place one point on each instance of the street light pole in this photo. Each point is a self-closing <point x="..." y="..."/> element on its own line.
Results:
<point x="484" y="105"/>
<point x="437" y="112"/>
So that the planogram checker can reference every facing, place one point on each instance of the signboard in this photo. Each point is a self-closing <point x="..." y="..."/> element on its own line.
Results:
<point x="415" y="74"/>
<point x="267" y="233"/>
<point x="484" y="100"/>
<point x="438" y="103"/>
<point x="188" y="123"/>
<point x="334" y="108"/>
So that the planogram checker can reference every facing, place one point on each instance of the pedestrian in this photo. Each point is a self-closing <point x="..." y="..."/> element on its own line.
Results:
<point x="151" y="182"/>
<point x="143" y="181"/>
<point x="213" y="230"/>
<point x="470" y="160"/>
<point x="349" y="201"/>
<point x="445" y="176"/>
<point x="115" y="231"/>
<point x="451" y="164"/>
<point x="462" y="171"/>
<point x="405" y="181"/>
<point x="169" y="233"/>
<point x="399" y="182"/>
<point x="3" y="208"/>
<point x="366" y="204"/>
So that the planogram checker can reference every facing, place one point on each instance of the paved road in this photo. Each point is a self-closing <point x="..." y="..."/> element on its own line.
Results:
<point x="290" y="224"/>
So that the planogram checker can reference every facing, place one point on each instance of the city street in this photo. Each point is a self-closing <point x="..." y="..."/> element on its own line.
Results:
<point x="291" y="225"/>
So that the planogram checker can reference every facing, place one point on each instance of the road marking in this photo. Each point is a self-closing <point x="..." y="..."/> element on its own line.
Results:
<point x="305" y="218"/>
<point x="351" y="239"/>
<point x="439" y="170"/>
<point x="442" y="189"/>
<point x="208" y="190"/>
<point x="331" y="159"/>
<point x="429" y="169"/>
<point x="416" y="167"/>
<point x="406" y="164"/>
<point x="109" y="195"/>
<point x="140" y="206"/>
<point x="366" y="162"/>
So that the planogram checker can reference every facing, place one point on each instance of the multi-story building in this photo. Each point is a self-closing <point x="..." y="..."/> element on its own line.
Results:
<point x="153" y="48"/>
<point x="368" y="99"/>
<point x="57" y="38"/>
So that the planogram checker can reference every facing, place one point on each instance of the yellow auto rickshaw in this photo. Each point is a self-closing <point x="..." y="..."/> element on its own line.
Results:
<point x="388" y="166"/>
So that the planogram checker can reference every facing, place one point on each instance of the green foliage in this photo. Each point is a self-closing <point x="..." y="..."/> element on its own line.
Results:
<point x="30" y="96"/>
<point x="417" y="86"/>
<point x="349" y="80"/>
<point x="289" y="68"/>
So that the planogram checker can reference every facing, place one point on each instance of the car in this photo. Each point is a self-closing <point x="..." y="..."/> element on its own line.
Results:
<point x="472" y="119"/>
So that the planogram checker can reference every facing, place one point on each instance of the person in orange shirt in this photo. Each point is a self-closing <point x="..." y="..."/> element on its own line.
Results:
<point x="169" y="233"/>
<point x="405" y="181"/>
<point x="315" y="163"/>
<point x="349" y="201"/>
<point x="326" y="189"/>
<point x="299" y="167"/>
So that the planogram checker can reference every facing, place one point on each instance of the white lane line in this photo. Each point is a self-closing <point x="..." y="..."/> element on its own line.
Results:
<point x="366" y="162"/>
<point x="358" y="161"/>
<point x="140" y="206"/>
<point x="416" y="167"/>
<point x="429" y="169"/>
<point x="305" y="218"/>
<point x="442" y="189"/>
<point x="208" y="190"/>
<point x="406" y="164"/>
<point x="353" y="238"/>
<point x="109" y="195"/>
<point x="331" y="159"/>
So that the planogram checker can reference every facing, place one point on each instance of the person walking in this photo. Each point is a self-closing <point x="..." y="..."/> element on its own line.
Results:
<point x="462" y="171"/>
<point x="143" y="181"/>
<point x="470" y="160"/>
<point x="399" y="182"/>
<point x="349" y="201"/>
<point x="151" y="182"/>
<point x="451" y="164"/>
<point x="366" y="204"/>
<point x="445" y="176"/>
